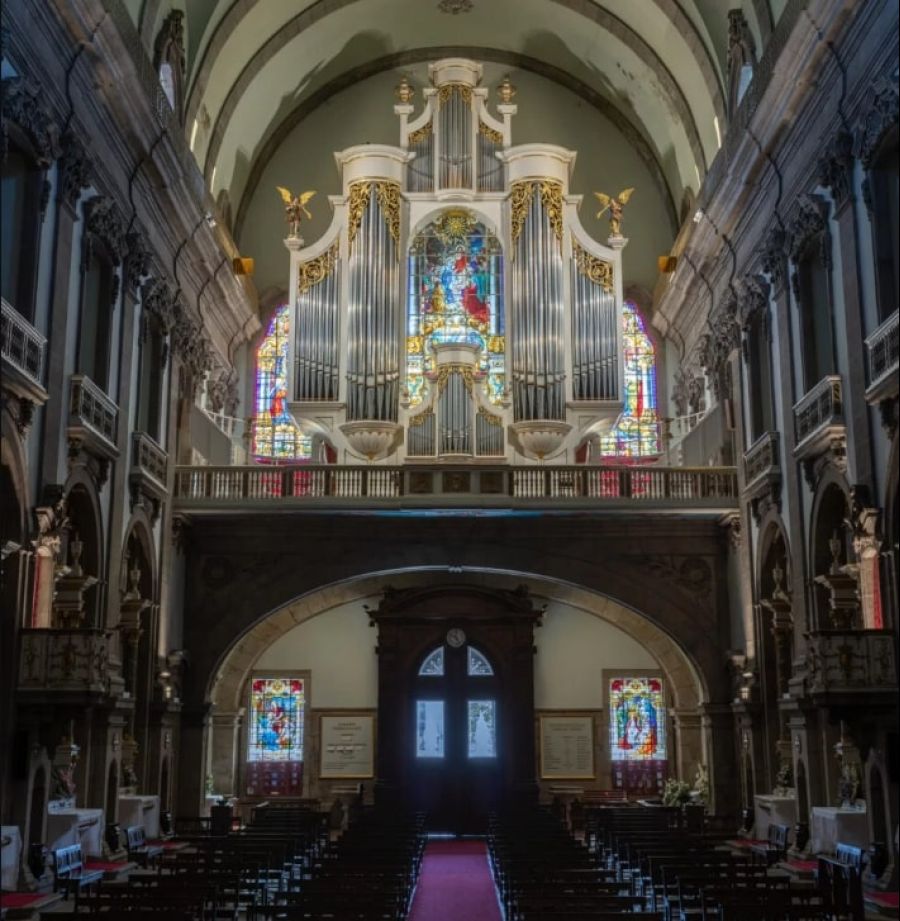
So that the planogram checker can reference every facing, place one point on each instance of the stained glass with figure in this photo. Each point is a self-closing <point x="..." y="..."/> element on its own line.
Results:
<point x="637" y="729"/>
<point x="636" y="432"/>
<point x="276" y="719"/>
<point x="455" y="296"/>
<point x="275" y="436"/>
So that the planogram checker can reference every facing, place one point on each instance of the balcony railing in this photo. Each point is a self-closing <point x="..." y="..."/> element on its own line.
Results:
<point x="761" y="461"/>
<point x="93" y="412"/>
<point x="149" y="465"/>
<point x="74" y="661"/>
<point x="706" y="487"/>
<point x="858" y="661"/>
<point x="883" y="353"/>
<point x="22" y="345"/>
<point x="818" y="416"/>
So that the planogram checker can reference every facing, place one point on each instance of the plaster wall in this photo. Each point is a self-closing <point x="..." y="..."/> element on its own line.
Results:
<point x="364" y="114"/>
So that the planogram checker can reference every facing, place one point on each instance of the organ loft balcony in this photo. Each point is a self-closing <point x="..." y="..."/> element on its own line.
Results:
<point x="456" y="338"/>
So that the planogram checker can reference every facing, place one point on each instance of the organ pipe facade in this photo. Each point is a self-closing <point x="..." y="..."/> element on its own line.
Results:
<point x="456" y="309"/>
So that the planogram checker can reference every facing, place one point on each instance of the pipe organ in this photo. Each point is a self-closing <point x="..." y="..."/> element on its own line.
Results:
<point x="456" y="309"/>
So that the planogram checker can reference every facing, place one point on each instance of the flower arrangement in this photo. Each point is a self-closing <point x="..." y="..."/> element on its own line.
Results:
<point x="676" y="792"/>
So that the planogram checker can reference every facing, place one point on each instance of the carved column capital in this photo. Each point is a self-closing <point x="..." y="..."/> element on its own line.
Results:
<point x="22" y="105"/>
<point x="74" y="170"/>
<point x="835" y="167"/>
<point x="104" y="220"/>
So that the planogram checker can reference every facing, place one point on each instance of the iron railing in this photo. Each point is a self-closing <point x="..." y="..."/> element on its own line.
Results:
<point x="22" y="345"/>
<point x="818" y="409"/>
<point x="761" y="458"/>
<point x="883" y="351"/>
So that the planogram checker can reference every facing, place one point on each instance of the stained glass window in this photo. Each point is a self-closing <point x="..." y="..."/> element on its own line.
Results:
<point x="637" y="719"/>
<point x="455" y="297"/>
<point x="275" y="436"/>
<point x="482" y="716"/>
<point x="433" y="666"/>
<point x="636" y="432"/>
<point x="276" y="719"/>
<point x="477" y="665"/>
<point x="429" y="729"/>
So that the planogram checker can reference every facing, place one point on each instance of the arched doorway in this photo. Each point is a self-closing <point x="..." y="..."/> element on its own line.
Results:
<point x="459" y="734"/>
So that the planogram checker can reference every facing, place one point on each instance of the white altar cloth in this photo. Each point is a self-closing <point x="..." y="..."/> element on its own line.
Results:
<point x="10" y="856"/>
<point x="833" y="825"/>
<point x="76" y="826"/>
<point x="140" y="810"/>
<point x="773" y="810"/>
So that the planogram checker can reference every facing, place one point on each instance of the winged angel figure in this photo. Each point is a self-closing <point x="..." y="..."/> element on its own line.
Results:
<point x="614" y="206"/>
<point x="295" y="208"/>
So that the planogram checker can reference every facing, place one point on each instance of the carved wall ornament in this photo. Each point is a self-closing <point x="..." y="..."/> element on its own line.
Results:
<point x="388" y="196"/>
<point x="74" y="169"/>
<point x="808" y="227"/>
<point x="104" y="220"/>
<point x="22" y="105"/>
<point x="492" y="135"/>
<point x="741" y="54"/>
<point x="774" y="257"/>
<point x="448" y="89"/>
<point x="835" y="167"/>
<point x="754" y="298"/>
<point x="137" y="260"/>
<point x="158" y="301"/>
<point x="169" y="49"/>
<point x="723" y="338"/>
<point x="880" y="115"/>
<point x="190" y="343"/>
<point x="521" y="194"/>
<point x="419" y="135"/>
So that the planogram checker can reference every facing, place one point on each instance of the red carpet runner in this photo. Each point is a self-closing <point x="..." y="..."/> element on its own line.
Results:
<point x="455" y="884"/>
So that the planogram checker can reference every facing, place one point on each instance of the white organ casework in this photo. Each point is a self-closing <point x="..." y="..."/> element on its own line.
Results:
<point x="456" y="309"/>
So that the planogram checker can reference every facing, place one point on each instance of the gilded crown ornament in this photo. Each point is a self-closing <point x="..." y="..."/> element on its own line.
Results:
<point x="404" y="91"/>
<point x="614" y="206"/>
<point x="506" y="91"/>
<point x="295" y="208"/>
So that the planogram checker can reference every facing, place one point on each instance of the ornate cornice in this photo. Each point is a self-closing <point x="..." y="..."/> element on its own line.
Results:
<point x="74" y="169"/>
<point x="880" y="115"/>
<point x="190" y="343"/>
<point x="159" y="302"/>
<point x="724" y="337"/>
<point x="835" y="167"/>
<point x="688" y="392"/>
<point x="104" y="220"/>
<point x="808" y="225"/>
<point x="21" y="105"/>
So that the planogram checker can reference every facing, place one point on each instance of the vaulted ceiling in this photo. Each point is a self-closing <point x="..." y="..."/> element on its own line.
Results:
<point x="256" y="68"/>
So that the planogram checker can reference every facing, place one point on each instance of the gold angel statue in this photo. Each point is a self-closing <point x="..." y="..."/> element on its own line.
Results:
<point x="614" y="206"/>
<point x="295" y="208"/>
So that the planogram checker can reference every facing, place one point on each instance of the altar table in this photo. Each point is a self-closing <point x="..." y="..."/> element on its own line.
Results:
<point x="833" y="825"/>
<point x="140" y="810"/>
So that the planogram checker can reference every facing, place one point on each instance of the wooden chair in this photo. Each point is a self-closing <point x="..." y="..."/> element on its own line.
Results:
<point x="138" y="850"/>
<point x="70" y="873"/>
<point x="776" y="845"/>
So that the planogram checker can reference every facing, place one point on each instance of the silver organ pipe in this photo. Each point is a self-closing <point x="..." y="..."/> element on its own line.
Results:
<point x="595" y="343"/>
<point x="420" y="172"/>
<point x="488" y="434"/>
<point x="490" y="169"/>
<point x="455" y="414"/>
<point x="538" y="355"/>
<point x="420" y="441"/>
<point x="455" y="137"/>
<point x="318" y="328"/>
<point x="373" y="359"/>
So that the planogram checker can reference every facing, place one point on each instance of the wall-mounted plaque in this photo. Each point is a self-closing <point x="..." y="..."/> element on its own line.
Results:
<point x="567" y="747"/>
<point x="346" y="742"/>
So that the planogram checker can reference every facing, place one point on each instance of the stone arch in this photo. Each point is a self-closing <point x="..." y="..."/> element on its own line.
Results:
<point x="830" y="509"/>
<point x="773" y="547"/>
<point x="86" y="522"/>
<point x="226" y="681"/>
<point x="139" y="537"/>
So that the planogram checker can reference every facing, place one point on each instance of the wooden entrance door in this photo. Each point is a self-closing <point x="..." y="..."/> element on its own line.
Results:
<point x="455" y="702"/>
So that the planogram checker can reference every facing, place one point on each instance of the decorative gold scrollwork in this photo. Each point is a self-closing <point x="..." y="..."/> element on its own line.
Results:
<point x="551" y="199"/>
<point x="490" y="418"/>
<point x="357" y="204"/>
<point x="318" y="269"/>
<point x="420" y="419"/>
<point x="389" y="198"/>
<point x="447" y="89"/>
<point x="388" y="195"/>
<point x="419" y="135"/>
<point x="597" y="270"/>
<point x="520" y="197"/>
<point x="495" y="137"/>
<point x="447" y="370"/>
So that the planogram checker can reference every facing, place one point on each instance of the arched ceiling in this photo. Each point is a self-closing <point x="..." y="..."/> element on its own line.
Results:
<point x="256" y="67"/>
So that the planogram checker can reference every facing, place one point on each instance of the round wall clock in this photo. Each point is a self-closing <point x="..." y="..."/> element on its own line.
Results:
<point x="456" y="637"/>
